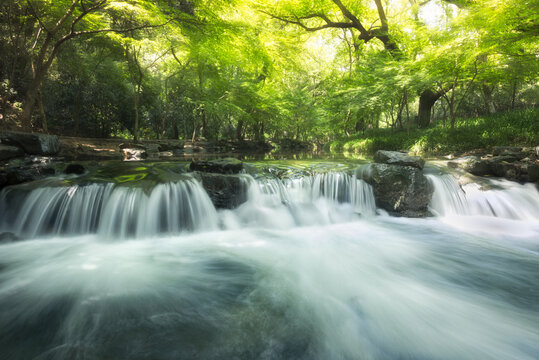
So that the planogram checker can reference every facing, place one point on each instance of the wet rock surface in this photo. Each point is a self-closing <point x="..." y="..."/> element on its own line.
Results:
<point x="32" y="143"/>
<point x="400" y="190"/>
<point x="398" y="158"/>
<point x="219" y="166"/>
<point x="512" y="163"/>
<point x="225" y="191"/>
<point x="9" y="152"/>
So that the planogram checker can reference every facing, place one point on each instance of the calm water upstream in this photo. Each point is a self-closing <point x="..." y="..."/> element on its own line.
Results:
<point x="306" y="268"/>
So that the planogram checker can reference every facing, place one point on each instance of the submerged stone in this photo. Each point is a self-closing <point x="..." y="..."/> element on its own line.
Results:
<point x="219" y="166"/>
<point x="74" y="169"/>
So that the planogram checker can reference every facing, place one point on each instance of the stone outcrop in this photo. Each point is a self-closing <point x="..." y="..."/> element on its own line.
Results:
<point x="9" y="152"/>
<point x="512" y="163"/>
<point x="398" y="158"/>
<point x="32" y="143"/>
<point x="225" y="191"/>
<point x="400" y="189"/>
<point x="219" y="178"/>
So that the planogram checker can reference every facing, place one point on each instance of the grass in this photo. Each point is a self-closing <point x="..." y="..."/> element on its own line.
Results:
<point x="514" y="128"/>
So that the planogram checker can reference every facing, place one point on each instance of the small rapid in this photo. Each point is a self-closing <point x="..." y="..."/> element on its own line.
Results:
<point x="306" y="267"/>
<point x="123" y="212"/>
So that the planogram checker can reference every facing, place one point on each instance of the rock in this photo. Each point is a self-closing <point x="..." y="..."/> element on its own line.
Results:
<point x="8" y="237"/>
<point x="35" y="144"/>
<point x="499" y="165"/>
<point x="533" y="172"/>
<point x="401" y="190"/>
<point x="508" y="150"/>
<point x="398" y="158"/>
<point x="74" y="169"/>
<point x="475" y="166"/>
<point x="219" y="166"/>
<point x="19" y="175"/>
<point x="170" y="145"/>
<point x="134" y="154"/>
<point x="9" y="152"/>
<point x="225" y="191"/>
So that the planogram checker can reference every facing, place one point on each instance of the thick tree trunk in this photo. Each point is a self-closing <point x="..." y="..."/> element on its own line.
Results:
<point x="239" y="131"/>
<point x="29" y="103"/>
<point x="489" y="103"/>
<point x="427" y="99"/>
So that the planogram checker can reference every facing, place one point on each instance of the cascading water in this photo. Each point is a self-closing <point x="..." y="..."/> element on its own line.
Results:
<point x="303" y="269"/>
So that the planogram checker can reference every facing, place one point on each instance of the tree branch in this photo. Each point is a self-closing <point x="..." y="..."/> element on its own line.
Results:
<point x="297" y="21"/>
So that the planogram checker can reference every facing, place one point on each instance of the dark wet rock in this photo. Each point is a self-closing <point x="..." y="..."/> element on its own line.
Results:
<point x="23" y="174"/>
<point x="225" y="191"/>
<point x="475" y="166"/>
<point x="9" y="152"/>
<point x="398" y="158"/>
<point x="219" y="166"/>
<point x="401" y="190"/>
<point x="533" y="172"/>
<point x="74" y="169"/>
<point x="8" y="237"/>
<point x="35" y="144"/>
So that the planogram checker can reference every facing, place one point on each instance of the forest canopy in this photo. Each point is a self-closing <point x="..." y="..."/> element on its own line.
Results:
<point x="262" y="69"/>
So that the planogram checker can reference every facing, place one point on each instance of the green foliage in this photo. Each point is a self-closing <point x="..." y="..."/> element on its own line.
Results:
<point x="247" y="70"/>
<point x="504" y="129"/>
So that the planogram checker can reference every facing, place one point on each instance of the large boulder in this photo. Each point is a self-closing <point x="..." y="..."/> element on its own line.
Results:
<point x="35" y="144"/>
<point x="533" y="172"/>
<point x="23" y="174"/>
<point x="9" y="152"/>
<point x="401" y="190"/>
<point x="225" y="191"/>
<point x="398" y="158"/>
<point x="475" y="166"/>
<point x="218" y="166"/>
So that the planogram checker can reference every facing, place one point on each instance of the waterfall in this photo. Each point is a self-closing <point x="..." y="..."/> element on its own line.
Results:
<point x="124" y="212"/>
<point x="112" y="211"/>
<point x="499" y="198"/>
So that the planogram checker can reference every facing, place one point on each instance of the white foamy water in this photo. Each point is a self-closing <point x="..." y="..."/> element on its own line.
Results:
<point x="304" y="269"/>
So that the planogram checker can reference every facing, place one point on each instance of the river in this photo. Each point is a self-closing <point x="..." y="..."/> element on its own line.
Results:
<point x="306" y="268"/>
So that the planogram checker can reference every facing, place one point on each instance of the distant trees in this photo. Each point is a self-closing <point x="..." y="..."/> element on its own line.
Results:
<point x="258" y="69"/>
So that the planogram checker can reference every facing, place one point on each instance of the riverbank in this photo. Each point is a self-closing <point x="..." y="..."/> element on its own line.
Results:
<point x="516" y="128"/>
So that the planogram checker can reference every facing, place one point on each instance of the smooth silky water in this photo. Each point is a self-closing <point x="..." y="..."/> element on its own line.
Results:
<point x="307" y="268"/>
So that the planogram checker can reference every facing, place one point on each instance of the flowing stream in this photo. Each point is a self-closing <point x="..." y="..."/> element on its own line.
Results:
<point x="306" y="268"/>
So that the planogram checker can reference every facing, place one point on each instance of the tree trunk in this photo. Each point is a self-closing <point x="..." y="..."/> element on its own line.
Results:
<point x="29" y="103"/>
<point x="76" y="113"/>
<point x="42" y="114"/>
<point x="239" y="130"/>
<point x="427" y="99"/>
<point x="135" y="105"/>
<point x="487" y="95"/>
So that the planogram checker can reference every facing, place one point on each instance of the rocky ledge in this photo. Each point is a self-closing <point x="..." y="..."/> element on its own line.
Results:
<point x="512" y="163"/>
<point x="398" y="182"/>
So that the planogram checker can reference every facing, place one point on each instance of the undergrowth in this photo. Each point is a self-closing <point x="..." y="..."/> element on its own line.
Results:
<point x="514" y="128"/>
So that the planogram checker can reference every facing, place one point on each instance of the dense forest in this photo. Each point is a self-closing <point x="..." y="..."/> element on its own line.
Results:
<point x="315" y="71"/>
